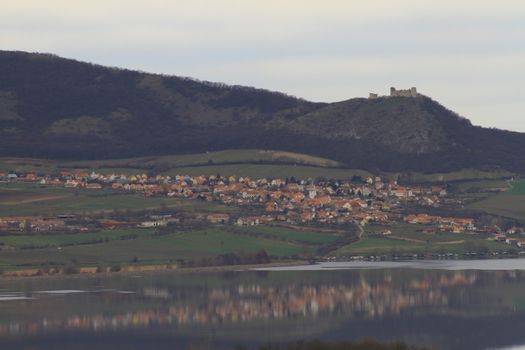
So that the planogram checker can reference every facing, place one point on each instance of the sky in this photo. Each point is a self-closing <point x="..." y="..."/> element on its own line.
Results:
<point x="467" y="54"/>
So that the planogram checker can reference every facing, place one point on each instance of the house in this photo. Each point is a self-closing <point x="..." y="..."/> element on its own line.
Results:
<point x="30" y="177"/>
<point x="218" y="218"/>
<point x="323" y="200"/>
<point x="402" y="192"/>
<point x="150" y="224"/>
<point x="438" y="191"/>
<point x="347" y="205"/>
<point x="500" y="237"/>
<point x="514" y="230"/>
<point x="293" y="187"/>
<point x="275" y="194"/>
<point x="277" y="182"/>
<point x="307" y="216"/>
<point x="365" y="191"/>
<point x="73" y="184"/>
<point x="271" y="206"/>
<point x="359" y="203"/>
<point x="200" y="180"/>
<point x="423" y="219"/>
<point x="250" y="194"/>
<point x="247" y="221"/>
<point x="113" y="224"/>
<point x="386" y="233"/>
<point x="47" y="224"/>
<point x="81" y="175"/>
<point x="94" y="175"/>
<point x="94" y="186"/>
<point x="511" y="241"/>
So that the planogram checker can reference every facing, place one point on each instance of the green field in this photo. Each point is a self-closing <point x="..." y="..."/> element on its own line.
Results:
<point x="245" y="162"/>
<point x="460" y="175"/>
<point x="268" y="170"/>
<point x="517" y="188"/>
<point x="381" y="246"/>
<point x="509" y="204"/>
<point x="146" y="248"/>
<point x="415" y="232"/>
<point x="139" y="164"/>
<point x="55" y="240"/>
<point x="252" y="163"/>
<point x="109" y="247"/>
<point x="306" y="236"/>
<point x="378" y="246"/>
<point x="481" y="186"/>
<point x="28" y="199"/>
<point x="408" y="238"/>
<point x="226" y="156"/>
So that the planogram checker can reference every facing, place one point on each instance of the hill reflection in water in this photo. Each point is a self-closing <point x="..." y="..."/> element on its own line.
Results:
<point x="433" y="308"/>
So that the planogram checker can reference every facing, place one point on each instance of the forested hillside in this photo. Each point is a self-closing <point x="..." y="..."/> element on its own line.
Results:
<point x="51" y="107"/>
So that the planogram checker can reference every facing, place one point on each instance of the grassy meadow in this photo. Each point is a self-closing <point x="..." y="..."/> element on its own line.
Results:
<point x="140" y="164"/>
<point x="459" y="175"/>
<point x="268" y="170"/>
<point x="509" y="204"/>
<point x="147" y="247"/>
<point x="254" y="163"/>
<point x="35" y="241"/>
<point x="31" y="199"/>
<point x="282" y="233"/>
<point x="410" y="239"/>
<point x="481" y="186"/>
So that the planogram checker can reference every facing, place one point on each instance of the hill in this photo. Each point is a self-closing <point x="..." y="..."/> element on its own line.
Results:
<point x="57" y="108"/>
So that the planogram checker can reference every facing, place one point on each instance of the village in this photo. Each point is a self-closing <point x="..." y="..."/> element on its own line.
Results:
<point x="320" y="202"/>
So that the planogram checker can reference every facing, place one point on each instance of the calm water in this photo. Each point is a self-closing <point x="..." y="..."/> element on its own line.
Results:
<point x="443" y="305"/>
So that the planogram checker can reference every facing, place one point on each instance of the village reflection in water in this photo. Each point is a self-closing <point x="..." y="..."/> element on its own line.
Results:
<point x="235" y="301"/>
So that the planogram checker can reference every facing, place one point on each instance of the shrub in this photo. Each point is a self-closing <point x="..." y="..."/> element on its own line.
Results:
<point x="115" y="268"/>
<point x="71" y="269"/>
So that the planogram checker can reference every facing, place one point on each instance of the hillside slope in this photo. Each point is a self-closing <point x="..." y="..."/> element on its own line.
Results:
<point x="64" y="109"/>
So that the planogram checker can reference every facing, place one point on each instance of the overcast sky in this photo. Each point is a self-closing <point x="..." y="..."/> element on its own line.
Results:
<point x="469" y="55"/>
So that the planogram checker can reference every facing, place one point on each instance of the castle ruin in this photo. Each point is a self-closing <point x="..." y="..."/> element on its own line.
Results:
<point x="412" y="92"/>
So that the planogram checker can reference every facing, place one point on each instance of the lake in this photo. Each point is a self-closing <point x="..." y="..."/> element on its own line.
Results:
<point x="439" y="304"/>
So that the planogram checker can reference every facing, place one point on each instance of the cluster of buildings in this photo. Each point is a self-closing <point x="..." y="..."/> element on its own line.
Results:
<point x="295" y="202"/>
<point x="512" y="237"/>
<point x="283" y="200"/>
<point x="456" y="225"/>
<point x="33" y="223"/>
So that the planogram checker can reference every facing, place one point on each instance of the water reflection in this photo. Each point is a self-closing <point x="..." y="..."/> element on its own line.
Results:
<point x="321" y="304"/>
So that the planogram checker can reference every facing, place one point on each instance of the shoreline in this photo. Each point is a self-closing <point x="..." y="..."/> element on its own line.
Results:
<point x="296" y="265"/>
<point x="129" y="270"/>
<point x="507" y="264"/>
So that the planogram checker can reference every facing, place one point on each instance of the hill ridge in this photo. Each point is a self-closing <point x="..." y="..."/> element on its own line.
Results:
<point x="51" y="107"/>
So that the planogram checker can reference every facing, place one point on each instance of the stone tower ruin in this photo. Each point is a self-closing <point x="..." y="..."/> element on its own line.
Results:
<point x="412" y="92"/>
